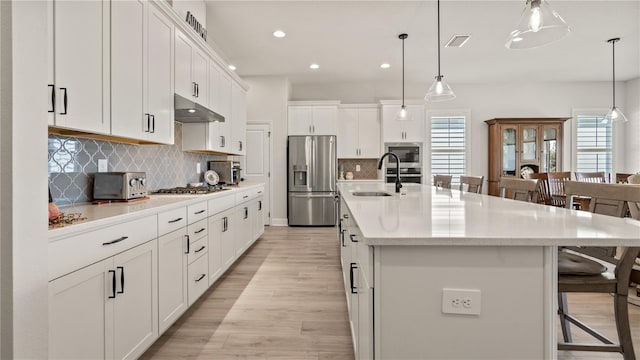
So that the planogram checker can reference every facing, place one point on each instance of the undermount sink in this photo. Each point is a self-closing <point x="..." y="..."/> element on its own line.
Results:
<point x="370" y="193"/>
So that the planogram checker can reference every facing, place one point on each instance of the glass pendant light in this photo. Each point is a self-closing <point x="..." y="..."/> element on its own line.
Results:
<point x="539" y="25"/>
<point x="403" y="114"/>
<point x="614" y="114"/>
<point x="439" y="90"/>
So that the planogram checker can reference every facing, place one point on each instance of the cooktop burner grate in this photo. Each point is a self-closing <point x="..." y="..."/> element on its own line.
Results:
<point x="190" y="190"/>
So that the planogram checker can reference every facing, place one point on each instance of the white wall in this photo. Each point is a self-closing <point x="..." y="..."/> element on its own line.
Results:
<point x="5" y="243"/>
<point x="196" y="7"/>
<point x="267" y="101"/>
<point x="632" y="127"/>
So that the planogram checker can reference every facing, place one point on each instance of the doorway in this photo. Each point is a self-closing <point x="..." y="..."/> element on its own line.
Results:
<point x="257" y="161"/>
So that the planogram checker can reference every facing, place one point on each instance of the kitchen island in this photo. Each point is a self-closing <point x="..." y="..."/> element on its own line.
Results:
<point x="436" y="273"/>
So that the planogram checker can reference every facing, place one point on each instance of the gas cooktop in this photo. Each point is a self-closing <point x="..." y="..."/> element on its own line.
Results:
<point x="188" y="190"/>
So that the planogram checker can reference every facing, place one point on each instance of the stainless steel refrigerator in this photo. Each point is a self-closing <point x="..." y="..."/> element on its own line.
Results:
<point x="311" y="174"/>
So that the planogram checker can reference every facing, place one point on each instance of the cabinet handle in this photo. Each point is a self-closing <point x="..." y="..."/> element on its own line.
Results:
<point x="193" y="88"/>
<point x="53" y="98"/>
<point x="246" y="196"/>
<point x="199" y="212"/>
<point x="260" y="192"/>
<point x="202" y="248"/>
<point x="246" y="212"/>
<point x="259" y="205"/>
<point x="174" y="220"/>
<point x="201" y="277"/>
<point x="221" y="141"/>
<point x="199" y="231"/>
<point x="64" y="100"/>
<point x="148" y="123"/>
<point x="309" y="129"/>
<point x="240" y="145"/>
<point x="113" y="284"/>
<point x="351" y="268"/>
<point x="346" y="216"/>
<point x="224" y="224"/>
<point x="153" y="124"/>
<point x="352" y="237"/>
<point x="342" y="237"/>
<point x="115" y="241"/>
<point x="121" y="279"/>
<point x="314" y="128"/>
<point x="188" y="244"/>
<point x="197" y="90"/>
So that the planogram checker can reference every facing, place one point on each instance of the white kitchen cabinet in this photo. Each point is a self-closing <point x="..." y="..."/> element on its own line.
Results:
<point x="238" y="120"/>
<point x="359" y="132"/>
<point x="217" y="226"/>
<point x="191" y="71"/>
<point x="141" y="68"/>
<point x="243" y="231"/>
<point x="107" y="310"/>
<point x="312" y="119"/>
<point x="198" y="281"/>
<point x="172" y="277"/>
<point x="257" y="217"/>
<point x="227" y="238"/>
<point x="80" y="80"/>
<point x="219" y="133"/>
<point x="403" y="130"/>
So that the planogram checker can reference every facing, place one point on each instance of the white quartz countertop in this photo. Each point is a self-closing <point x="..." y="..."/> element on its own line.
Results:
<point x="430" y="216"/>
<point x="103" y="215"/>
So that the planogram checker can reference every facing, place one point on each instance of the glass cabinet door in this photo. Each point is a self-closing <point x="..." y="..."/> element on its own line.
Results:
<point x="550" y="149"/>
<point x="509" y="151"/>
<point x="529" y="149"/>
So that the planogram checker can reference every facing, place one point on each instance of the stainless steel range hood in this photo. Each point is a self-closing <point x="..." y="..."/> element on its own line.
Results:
<point x="187" y="111"/>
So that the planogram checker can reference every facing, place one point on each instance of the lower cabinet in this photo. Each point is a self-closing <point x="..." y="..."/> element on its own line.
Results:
<point x="221" y="244"/>
<point x="107" y="310"/>
<point x="172" y="272"/>
<point x="243" y="230"/>
<point x="257" y="218"/>
<point x="198" y="281"/>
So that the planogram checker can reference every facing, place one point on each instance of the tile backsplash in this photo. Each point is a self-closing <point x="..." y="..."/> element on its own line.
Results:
<point x="73" y="160"/>
<point x="368" y="168"/>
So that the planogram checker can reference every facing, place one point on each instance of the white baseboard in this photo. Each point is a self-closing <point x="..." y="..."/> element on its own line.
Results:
<point x="279" y="222"/>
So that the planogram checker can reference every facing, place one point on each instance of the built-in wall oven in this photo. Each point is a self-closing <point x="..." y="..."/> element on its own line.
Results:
<point x="410" y="156"/>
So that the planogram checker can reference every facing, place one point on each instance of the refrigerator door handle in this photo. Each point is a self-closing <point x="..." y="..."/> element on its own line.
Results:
<point x="312" y="165"/>
<point x="307" y="195"/>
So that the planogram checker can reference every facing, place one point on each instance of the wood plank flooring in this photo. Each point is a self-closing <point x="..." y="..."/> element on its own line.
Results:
<point x="284" y="299"/>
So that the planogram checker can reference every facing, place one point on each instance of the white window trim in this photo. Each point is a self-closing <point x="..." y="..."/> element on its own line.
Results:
<point x="615" y="137"/>
<point x="426" y="160"/>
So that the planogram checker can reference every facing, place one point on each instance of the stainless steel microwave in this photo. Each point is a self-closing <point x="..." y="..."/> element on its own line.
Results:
<point x="409" y="154"/>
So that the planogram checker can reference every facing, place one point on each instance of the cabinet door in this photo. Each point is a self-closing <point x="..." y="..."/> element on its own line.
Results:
<point x="184" y="84"/>
<point x="197" y="278"/>
<point x="348" y="133"/>
<point x="172" y="277"/>
<point x="259" y="219"/>
<point x="217" y="226"/>
<point x="238" y="120"/>
<point x="227" y="242"/>
<point x="78" y="317"/>
<point x="550" y="159"/>
<point x="242" y="229"/>
<point x="325" y="120"/>
<point x="78" y="72"/>
<point x="127" y="69"/>
<point x="528" y="144"/>
<point x="509" y="157"/>
<point x="353" y="314"/>
<point x="223" y="103"/>
<point x="368" y="133"/>
<point x="365" y="315"/>
<point x="299" y="119"/>
<point x="135" y="306"/>
<point x="392" y="130"/>
<point x="159" y="77"/>
<point x="216" y="138"/>
<point x="200" y="69"/>
<point x="414" y="128"/>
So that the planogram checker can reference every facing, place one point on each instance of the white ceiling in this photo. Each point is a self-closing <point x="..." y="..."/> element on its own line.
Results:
<point x="350" y="39"/>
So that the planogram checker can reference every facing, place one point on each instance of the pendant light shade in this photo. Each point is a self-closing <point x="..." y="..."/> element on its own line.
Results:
<point x="539" y="25"/>
<point x="614" y="115"/>
<point x="439" y="90"/>
<point x="403" y="114"/>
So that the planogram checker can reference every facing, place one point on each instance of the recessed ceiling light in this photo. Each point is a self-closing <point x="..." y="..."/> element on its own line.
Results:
<point x="457" y="40"/>
<point x="385" y="66"/>
<point x="191" y="110"/>
<point x="232" y="67"/>
<point x="314" y="66"/>
<point x="517" y="39"/>
<point x="279" y="34"/>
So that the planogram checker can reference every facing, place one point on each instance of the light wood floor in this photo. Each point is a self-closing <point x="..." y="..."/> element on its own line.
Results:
<point x="284" y="299"/>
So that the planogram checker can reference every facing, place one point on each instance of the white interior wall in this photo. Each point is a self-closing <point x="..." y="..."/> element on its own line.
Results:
<point x="267" y="101"/>
<point x="5" y="243"/>
<point x="196" y="7"/>
<point x="632" y="127"/>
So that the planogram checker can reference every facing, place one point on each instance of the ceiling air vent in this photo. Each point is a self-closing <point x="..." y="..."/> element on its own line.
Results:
<point x="458" y="41"/>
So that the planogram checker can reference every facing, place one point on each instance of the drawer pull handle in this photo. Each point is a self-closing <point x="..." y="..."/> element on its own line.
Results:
<point x="352" y="236"/>
<point x="259" y="192"/>
<point x="352" y="285"/>
<point x="188" y="244"/>
<point x="199" y="212"/>
<point x="174" y="221"/>
<point x="201" y="277"/>
<point x="115" y="241"/>
<point x="121" y="279"/>
<point x="202" y="248"/>
<point x="246" y="196"/>
<point x="199" y="231"/>
<point x="113" y="284"/>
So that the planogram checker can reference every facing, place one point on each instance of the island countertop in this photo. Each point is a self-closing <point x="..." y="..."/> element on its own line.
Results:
<point x="427" y="215"/>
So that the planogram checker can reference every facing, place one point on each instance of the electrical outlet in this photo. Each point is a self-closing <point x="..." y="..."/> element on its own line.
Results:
<point x="198" y="169"/>
<point x="461" y="301"/>
<point x="103" y="165"/>
<point x="357" y="167"/>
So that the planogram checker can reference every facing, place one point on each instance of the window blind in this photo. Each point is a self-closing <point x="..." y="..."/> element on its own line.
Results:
<point x="448" y="146"/>
<point x="593" y="145"/>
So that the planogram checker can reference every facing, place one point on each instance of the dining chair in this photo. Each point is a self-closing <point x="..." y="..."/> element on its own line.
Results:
<point x="621" y="178"/>
<point x="579" y="273"/>
<point x="592" y="177"/>
<point x="443" y="181"/>
<point x="471" y="183"/>
<point x="556" y="187"/>
<point x="544" y="196"/>
<point x="519" y="189"/>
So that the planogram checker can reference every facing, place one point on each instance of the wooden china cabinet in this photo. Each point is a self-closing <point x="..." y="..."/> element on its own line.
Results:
<point x="521" y="145"/>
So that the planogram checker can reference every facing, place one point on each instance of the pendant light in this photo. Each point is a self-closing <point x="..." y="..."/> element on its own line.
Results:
<point x="403" y="114"/>
<point x="614" y="114"/>
<point x="539" y="25"/>
<point x="439" y="90"/>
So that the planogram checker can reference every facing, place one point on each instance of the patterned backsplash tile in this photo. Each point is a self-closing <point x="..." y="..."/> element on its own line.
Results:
<point x="73" y="160"/>
<point x="368" y="168"/>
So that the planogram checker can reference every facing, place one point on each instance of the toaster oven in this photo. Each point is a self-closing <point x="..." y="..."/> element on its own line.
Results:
<point x="119" y="185"/>
<point x="229" y="171"/>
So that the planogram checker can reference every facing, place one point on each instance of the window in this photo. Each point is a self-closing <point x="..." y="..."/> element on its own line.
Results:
<point x="448" y="146"/>
<point x="593" y="144"/>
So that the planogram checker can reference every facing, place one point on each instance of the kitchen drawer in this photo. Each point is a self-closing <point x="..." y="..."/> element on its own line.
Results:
<point x="197" y="212"/>
<point x="70" y="254"/>
<point x="197" y="249"/>
<point x="172" y="220"/>
<point x="197" y="277"/>
<point x="249" y="194"/>
<point x="198" y="230"/>
<point x="221" y="203"/>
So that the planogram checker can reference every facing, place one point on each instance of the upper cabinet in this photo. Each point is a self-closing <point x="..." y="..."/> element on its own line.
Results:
<point x="411" y="130"/>
<point x="79" y="84"/>
<point x="238" y="120"/>
<point x="306" y="118"/>
<point x="359" y="131"/>
<point x="521" y="145"/>
<point x="191" y="71"/>
<point x="141" y="69"/>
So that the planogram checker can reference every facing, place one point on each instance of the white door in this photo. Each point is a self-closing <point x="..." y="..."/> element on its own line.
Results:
<point x="348" y="133"/>
<point x="257" y="162"/>
<point x="325" y="120"/>
<point x="172" y="276"/>
<point x="368" y="133"/>
<point x="299" y="120"/>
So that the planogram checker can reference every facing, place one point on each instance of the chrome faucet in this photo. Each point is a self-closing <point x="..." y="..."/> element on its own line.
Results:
<point x="398" y="184"/>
